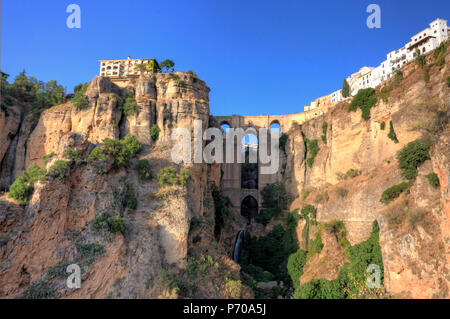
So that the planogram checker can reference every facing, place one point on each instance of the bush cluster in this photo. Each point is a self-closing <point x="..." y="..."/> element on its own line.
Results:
<point x="412" y="156"/>
<point x="58" y="171"/>
<point x="324" y="132"/>
<point x="312" y="148"/>
<point x="275" y="199"/>
<point x="391" y="133"/>
<point x="168" y="176"/>
<point x="122" y="150"/>
<point x="130" y="107"/>
<point x="104" y="224"/>
<point x="365" y="99"/>
<point x="433" y="179"/>
<point x="144" y="170"/>
<point x="22" y="187"/>
<point x="154" y="132"/>
<point x="393" y="192"/>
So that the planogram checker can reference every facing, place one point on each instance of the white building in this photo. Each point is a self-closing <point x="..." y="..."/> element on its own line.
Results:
<point x="426" y="41"/>
<point x="124" y="68"/>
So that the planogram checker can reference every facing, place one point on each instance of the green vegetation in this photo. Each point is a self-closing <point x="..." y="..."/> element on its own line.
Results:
<point x="312" y="148"/>
<point x="167" y="65"/>
<point x="337" y="228"/>
<point x="433" y="179"/>
<point x="391" y="133"/>
<point x="74" y="156"/>
<point x="122" y="150"/>
<point x="167" y="176"/>
<point x="384" y="93"/>
<point x="105" y="225"/>
<point x="22" y="187"/>
<point x="177" y="79"/>
<point x="448" y="81"/>
<point x="282" y="142"/>
<point x="324" y="131"/>
<point x="80" y="100"/>
<point x="47" y="157"/>
<point x="58" y="270"/>
<point x="393" y="192"/>
<point x="222" y="206"/>
<point x="351" y="279"/>
<point x="40" y="95"/>
<point x="58" y="171"/>
<point x="439" y="54"/>
<point x="398" y="75"/>
<point x="90" y="252"/>
<point x="275" y="199"/>
<point x="351" y="173"/>
<point x="96" y="155"/>
<point x="270" y="253"/>
<point x="419" y="58"/>
<point x="382" y="126"/>
<point x="39" y="290"/>
<point x="412" y="156"/>
<point x="144" y="170"/>
<point x="316" y="245"/>
<point x="154" y="132"/>
<point x="365" y="99"/>
<point x="130" y="107"/>
<point x="345" y="89"/>
<point x="130" y="198"/>
<point x="184" y="176"/>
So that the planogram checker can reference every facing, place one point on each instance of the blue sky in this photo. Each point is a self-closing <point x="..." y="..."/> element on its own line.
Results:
<point x="258" y="57"/>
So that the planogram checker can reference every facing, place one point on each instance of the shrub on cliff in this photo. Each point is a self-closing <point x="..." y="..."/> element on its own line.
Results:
<point x="365" y="99"/>
<point x="22" y="187"/>
<point x="324" y="131"/>
<point x="154" y="132"/>
<point x="448" y="81"/>
<point x="96" y="155"/>
<point x="144" y="170"/>
<point x="122" y="150"/>
<point x="295" y="264"/>
<point x="312" y="148"/>
<point x="58" y="171"/>
<point x="391" y="133"/>
<point x="39" y="290"/>
<point x="104" y="225"/>
<point x="167" y="176"/>
<point x="393" y="192"/>
<point x="433" y="179"/>
<point x="130" y="107"/>
<point x="412" y="156"/>
<point x="79" y="101"/>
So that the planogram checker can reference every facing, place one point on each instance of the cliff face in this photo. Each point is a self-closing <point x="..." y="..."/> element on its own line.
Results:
<point x="415" y="257"/>
<point x="57" y="219"/>
<point x="170" y="231"/>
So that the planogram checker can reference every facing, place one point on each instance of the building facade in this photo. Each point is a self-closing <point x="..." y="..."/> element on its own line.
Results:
<point x="425" y="41"/>
<point x="126" y="68"/>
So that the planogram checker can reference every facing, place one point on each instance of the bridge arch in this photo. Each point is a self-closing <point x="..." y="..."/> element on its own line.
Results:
<point x="249" y="208"/>
<point x="275" y="126"/>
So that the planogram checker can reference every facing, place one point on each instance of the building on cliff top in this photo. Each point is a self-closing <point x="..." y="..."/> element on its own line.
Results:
<point x="425" y="41"/>
<point x="127" y="67"/>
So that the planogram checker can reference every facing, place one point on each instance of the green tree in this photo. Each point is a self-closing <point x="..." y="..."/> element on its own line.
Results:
<point x="167" y="65"/>
<point x="345" y="89"/>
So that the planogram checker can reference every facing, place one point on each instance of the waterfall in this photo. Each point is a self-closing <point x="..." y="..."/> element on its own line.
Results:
<point x="237" y="246"/>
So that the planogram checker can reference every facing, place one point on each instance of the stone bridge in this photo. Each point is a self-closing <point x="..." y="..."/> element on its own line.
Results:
<point x="232" y="172"/>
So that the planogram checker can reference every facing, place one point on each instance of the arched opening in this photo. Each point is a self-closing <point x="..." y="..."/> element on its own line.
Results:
<point x="225" y="126"/>
<point x="249" y="208"/>
<point x="249" y="169"/>
<point x="275" y="127"/>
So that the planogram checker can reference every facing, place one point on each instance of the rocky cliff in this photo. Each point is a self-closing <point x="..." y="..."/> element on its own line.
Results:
<point x="138" y="236"/>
